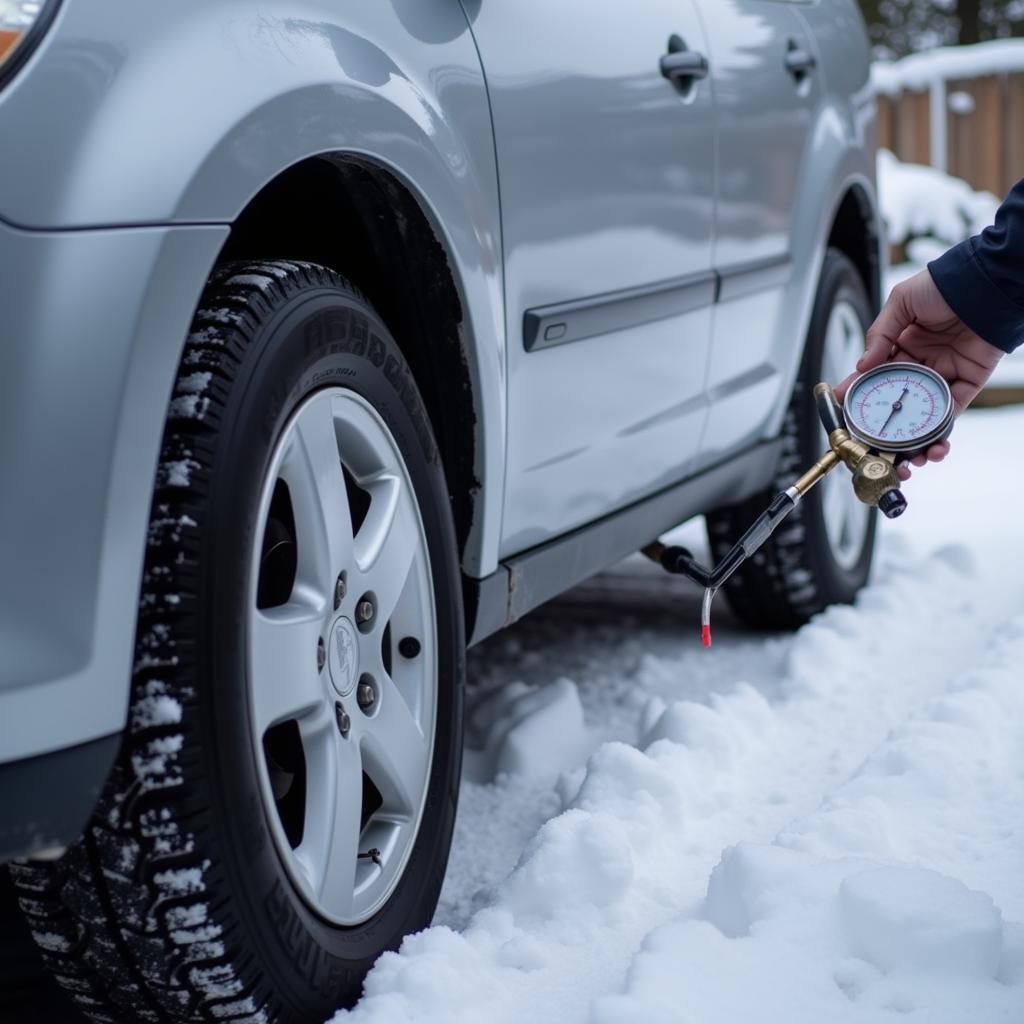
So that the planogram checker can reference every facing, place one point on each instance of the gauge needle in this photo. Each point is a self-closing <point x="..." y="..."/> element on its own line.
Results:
<point x="896" y="406"/>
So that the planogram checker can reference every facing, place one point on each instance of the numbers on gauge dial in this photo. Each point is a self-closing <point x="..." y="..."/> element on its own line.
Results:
<point x="898" y="406"/>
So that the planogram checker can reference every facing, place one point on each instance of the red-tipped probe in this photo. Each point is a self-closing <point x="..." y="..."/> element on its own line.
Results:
<point x="705" y="616"/>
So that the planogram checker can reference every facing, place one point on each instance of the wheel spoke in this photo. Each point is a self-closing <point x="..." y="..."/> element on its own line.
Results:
<point x="336" y="883"/>
<point x="395" y="753"/>
<point x="283" y="663"/>
<point x="316" y="483"/>
<point x="387" y="542"/>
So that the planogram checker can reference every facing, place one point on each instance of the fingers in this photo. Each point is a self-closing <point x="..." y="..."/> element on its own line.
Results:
<point x="935" y="453"/>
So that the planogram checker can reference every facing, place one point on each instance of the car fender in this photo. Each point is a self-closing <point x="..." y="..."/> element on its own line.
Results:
<point x="840" y="157"/>
<point x="162" y="124"/>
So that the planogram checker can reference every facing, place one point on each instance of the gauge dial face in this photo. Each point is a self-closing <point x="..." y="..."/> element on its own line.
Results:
<point x="899" y="407"/>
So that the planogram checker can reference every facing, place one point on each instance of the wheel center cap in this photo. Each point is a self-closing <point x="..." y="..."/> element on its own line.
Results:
<point x="343" y="657"/>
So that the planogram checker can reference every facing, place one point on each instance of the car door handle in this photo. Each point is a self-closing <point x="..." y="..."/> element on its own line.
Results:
<point x="799" y="62"/>
<point x="684" y="66"/>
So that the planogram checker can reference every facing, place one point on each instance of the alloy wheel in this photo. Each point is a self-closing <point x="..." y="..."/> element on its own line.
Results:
<point x="342" y="656"/>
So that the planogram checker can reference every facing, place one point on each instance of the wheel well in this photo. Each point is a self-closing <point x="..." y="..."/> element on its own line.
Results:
<point x="361" y="221"/>
<point x="855" y="233"/>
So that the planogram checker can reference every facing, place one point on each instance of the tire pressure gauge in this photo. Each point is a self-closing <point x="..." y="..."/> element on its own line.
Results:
<point x="901" y="408"/>
<point x="892" y="412"/>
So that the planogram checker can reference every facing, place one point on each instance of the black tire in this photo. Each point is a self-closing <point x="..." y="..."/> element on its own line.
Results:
<point x="795" y="574"/>
<point x="175" y="905"/>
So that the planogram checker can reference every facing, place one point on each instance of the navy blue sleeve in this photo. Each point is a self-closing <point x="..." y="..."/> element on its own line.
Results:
<point x="982" y="279"/>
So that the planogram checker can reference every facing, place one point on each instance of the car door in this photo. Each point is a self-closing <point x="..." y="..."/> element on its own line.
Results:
<point x="766" y="83"/>
<point x="606" y="174"/>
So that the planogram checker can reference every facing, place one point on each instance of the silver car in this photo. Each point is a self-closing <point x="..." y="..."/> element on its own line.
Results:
<point x="337" y="336"/>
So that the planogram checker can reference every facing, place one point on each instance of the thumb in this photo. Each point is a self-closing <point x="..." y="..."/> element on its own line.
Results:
<point x="843" y="386"/>
<point x="881" y="337"/>
<point x="877" y="352"/>
<point x="895" y="317"/>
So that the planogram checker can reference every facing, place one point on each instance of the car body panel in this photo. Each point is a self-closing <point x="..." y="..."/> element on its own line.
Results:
<point x="829" y="135"/>
<point x="764" y="117"/>
<point x="584" y="121"/>
<point x="840" y="159"/>
<point x="254" y="91"/>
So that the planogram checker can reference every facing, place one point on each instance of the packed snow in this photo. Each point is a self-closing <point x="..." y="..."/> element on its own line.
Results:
<point x="826" y="826"/>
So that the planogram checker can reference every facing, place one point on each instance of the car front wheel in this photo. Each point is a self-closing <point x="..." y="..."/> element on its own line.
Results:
<point x="283" y="806"/>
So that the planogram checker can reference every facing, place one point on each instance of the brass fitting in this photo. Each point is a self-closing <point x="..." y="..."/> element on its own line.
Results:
<point x="821" y="468"/>
<point x="842" y="448"/>
<point x="873" y="474"/>
<point x="873" y="477"/>
<point x="850" y="451"/>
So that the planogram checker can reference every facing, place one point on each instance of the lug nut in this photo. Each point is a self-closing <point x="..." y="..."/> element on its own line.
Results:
<point x="340" y="590"/>
<point x="364" y="611"/>
<point x="343" y="720"/>
<point x="321" y="655"/>
<point x="366" y="696"/>
<point x="409" y="647"/>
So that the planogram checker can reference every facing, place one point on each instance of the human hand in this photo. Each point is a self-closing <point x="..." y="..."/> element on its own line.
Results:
<point x="916" y="324"/>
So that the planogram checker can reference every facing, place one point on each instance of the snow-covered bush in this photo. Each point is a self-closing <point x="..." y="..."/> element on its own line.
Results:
<point x="926" y="210"/>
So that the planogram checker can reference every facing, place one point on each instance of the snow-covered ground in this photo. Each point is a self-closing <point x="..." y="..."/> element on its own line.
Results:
<point x="819" y="827"/>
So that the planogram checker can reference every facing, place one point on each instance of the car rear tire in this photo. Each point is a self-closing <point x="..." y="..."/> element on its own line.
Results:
<point x="282" y="809"/>
<point x="821" y="555"/>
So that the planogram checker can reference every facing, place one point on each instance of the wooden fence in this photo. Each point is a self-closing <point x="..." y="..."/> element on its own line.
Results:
<point x="973" y="128"/>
